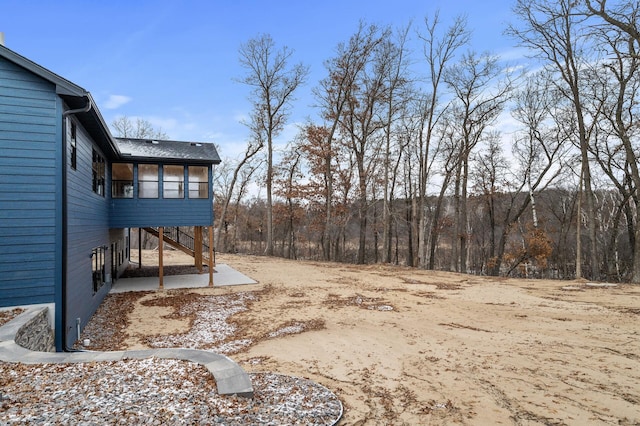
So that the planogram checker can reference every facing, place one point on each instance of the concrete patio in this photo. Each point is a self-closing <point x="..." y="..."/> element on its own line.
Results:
<point x="224" y="275"/>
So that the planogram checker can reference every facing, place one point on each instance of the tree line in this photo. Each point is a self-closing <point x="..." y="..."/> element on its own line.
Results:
<point x="406" y="162"/>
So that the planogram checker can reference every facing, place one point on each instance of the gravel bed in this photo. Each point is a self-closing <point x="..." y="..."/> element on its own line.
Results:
<point x="154" y="392"/>
<point x="211" y="328"/>
<point x="159" y="392"/>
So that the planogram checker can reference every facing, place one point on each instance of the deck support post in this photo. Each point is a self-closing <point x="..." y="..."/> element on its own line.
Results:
<point x="197" y="247"/>
<point x="160" y="256"/>
<point x="210" y="256"/>
<point x="139" y="248"/>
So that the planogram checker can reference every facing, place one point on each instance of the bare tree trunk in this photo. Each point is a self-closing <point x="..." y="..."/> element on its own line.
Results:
<point x="414" y="234"/>
<point x="270" y="244"/>
<point x="421" y="219"/>
<point x="591" y="212"/>
<point x="328" y="219"/>
<point x="464" y="218"/>
<point x="362" y="216"/>
<point x="454" y="260"/>
<point x="579" y="230"/>
<point x="376" y="248"/>
<point x="435" y="221"/>
<point x="386" y="202"/>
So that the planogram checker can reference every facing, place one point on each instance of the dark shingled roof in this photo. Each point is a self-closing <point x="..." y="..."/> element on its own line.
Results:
<point x="154" y="149"/>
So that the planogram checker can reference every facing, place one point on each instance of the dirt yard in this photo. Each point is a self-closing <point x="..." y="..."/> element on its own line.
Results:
<point x="404" y="346"/>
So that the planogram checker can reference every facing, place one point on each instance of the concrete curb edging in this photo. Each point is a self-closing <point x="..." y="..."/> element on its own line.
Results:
<point x="230" y="378"/>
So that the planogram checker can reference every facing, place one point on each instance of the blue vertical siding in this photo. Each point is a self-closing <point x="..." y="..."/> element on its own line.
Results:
<point x="29" y="187"/>
<point x="87" y="228"/>
<point x="140" y="213"/>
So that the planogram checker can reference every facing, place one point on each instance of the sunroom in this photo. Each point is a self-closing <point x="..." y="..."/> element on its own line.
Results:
<point x="161" y="186"/>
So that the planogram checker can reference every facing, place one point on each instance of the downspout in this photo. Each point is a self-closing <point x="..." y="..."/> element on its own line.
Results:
<point x="65" y="114"/>
<point x="86" y="108"/>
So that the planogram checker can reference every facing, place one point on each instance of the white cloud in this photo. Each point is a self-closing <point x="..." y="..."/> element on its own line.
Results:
<point x="116" y="101"/>
<point x="514" y="69"/>
<point x="520" y="54"/>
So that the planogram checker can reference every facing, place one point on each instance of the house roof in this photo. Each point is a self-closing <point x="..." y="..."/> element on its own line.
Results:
<point x="154" y="149"/>
<point x="74" y="96"/>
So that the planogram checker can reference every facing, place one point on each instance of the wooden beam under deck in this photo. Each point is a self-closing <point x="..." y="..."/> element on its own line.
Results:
<point x="210" y="256"/>
<point x="160" y="257"/>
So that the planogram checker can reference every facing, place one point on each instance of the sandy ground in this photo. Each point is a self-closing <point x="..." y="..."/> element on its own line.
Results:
<point x="405" y="346"/>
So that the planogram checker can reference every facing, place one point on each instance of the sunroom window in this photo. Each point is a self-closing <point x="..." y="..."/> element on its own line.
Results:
<point x="147" y="181"/>
<point x="198" y="182"/>
<point x="173" y="181"/>
<point x="122" y="180"/>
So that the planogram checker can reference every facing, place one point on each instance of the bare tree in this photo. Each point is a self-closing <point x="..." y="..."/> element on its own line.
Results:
<point x="481" y="88"/>
<point x="361" y="125"/>
<point x="333" y="95"/>
<point x="288" y="186"/>
<point x="124" y="127"/>
<point x="410" y="133"/>
<point x="439" y="51"/>
<point x="538" y="157"/>
<point x="398" y="95"/>
<point x="623" y="16"/>
<point x="253" y="148"/>
<point x="449" y="154"/>
<point x="273" y="82"/>
<point x="552" y="30"/>
<point x="489" y="178"/>
<point x="618" y="90"/>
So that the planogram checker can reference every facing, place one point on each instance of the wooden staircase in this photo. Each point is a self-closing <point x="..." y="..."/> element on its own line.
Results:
<point x="185" y="240"/>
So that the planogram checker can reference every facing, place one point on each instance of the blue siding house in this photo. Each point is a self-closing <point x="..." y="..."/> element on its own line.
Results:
<point x="70" y="192"/>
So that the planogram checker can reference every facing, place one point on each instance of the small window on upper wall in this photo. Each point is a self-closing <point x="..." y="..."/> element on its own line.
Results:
<point x="122" y="180"/>
<point x="173" y="181"/>
<point x="98" y="173"/>
<point x="74" y="148"/>
<point x="198" y="182"/>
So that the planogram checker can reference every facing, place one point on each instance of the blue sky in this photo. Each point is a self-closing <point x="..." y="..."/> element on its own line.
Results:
<point x="174" y="63"/>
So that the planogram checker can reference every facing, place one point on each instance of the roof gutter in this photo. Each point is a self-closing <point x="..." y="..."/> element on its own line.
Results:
<point x="65" y="243"/>
<point x="86" y="108"/>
